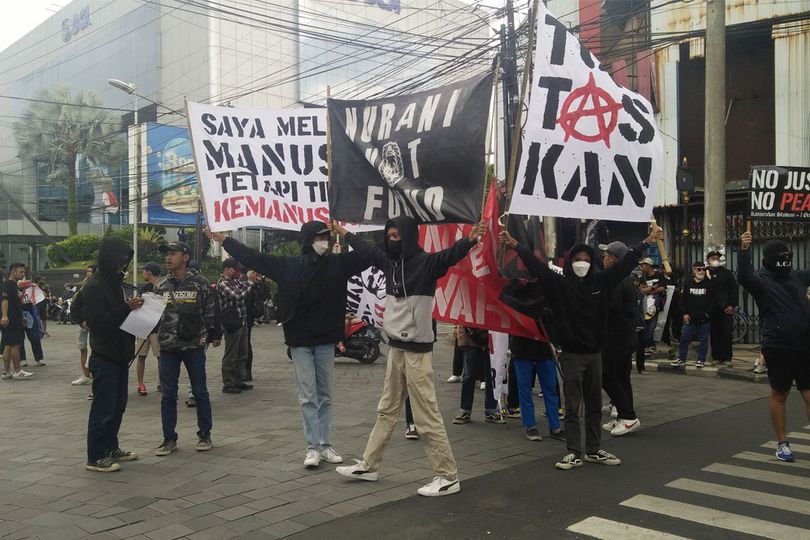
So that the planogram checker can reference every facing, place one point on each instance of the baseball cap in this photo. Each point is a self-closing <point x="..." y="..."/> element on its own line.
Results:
<point x="182" y="247"/>
<point x="153" y="268"/>
<point x="647" y="260"/>
<point x="617" y="249"/>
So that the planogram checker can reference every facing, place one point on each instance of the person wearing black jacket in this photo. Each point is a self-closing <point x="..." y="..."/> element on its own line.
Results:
<point x="580" y="300"/>
<point x="617" y="356"/>
<point x="784" y="309"/>
<point x="697" y="302"/>
<point x="104" y="309"/>
<point x="312" y="308"/>
<point x="721" y="316"/>
<point x="410" y="280"/>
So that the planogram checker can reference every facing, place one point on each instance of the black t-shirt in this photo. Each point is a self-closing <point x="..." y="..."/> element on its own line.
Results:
<point x="657" y="279"/>
<point x="12" y="293"/>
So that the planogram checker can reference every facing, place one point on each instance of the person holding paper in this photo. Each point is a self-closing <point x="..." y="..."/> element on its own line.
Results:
<point x="104" y="308"/>
<point x="190" y="321"/>
<point x="151" y="273"/>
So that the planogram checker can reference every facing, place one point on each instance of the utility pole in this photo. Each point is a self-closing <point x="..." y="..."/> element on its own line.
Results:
<point x="510" y="83"/>
<point x="714" y="177"/>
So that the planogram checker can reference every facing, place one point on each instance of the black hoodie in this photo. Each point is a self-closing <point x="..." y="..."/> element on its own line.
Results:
<point x="104" y="305"/>
<point x="311" y="288"/>
<point x="580" y="305"/>
<point x="410" y="283"/>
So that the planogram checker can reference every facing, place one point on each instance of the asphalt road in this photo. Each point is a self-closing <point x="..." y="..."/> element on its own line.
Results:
<point x="534" y="500"/>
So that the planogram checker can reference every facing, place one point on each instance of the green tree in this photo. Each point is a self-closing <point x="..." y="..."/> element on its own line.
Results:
<point x="59" y="127"/>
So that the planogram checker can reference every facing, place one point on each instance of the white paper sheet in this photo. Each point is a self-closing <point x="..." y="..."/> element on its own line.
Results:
<point x="141" y="322"/>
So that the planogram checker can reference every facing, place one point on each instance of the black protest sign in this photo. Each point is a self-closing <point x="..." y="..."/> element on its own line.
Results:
<point x="420" y="155"/>
<point x="780" y="193"/>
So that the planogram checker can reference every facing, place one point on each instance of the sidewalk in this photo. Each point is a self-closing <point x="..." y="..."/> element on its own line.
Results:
<point x="252" y="483"/>
<point x="740" y="368"/>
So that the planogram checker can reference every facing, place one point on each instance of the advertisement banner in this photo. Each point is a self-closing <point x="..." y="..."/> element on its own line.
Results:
<point x="171" y="182"/>
<point x="419" y="154"/>
<point x="780" y="193"/>
<point x="591" y="148"/>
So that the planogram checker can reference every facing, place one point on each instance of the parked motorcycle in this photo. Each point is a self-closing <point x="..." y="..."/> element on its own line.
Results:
<point x="362" y="342"/>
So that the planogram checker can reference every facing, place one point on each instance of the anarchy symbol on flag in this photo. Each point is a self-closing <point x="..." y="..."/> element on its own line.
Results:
<point x="603" y="106"/>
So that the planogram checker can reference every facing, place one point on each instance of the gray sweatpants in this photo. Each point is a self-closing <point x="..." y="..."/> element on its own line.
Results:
<point x="582" y="380"/>
<point x="233" y="359"/>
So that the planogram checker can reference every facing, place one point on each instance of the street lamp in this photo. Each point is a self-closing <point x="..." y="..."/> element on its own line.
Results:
<point x="130" y="89"/>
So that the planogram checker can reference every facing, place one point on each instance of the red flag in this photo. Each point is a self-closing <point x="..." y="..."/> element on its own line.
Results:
<point x="469" y="293"/>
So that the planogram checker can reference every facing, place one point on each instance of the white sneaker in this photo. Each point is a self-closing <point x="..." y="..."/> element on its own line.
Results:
<point x="40" y="363"/>
<point x="7" y="376"/>
<point x="439" y="487"/>
<point x="607" y="408"/>
<point x="329" y="455"/>
<point x="313" y="458"/>
<point x="22" y="375"/>
<point x="623" y="427"/>
<point x="82" y="381"/>
<point x="614" y="413"/>
<point x="609" y="426"/>
<point x="454" y="379"/>
<point x="24" y="364"/>
<point x="483" y="387"/>
<point x="358" y="471"/>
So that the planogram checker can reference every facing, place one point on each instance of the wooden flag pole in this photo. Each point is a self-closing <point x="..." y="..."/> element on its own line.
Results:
<point x="527" y="67"/>
<point x="493" y="131"/>
<point x="663" y="251"/>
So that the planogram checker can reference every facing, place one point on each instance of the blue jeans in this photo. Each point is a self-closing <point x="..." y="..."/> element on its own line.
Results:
<point x="547" y="375"/>
<point x="702" y="330"/>
<point x="314" y="368"/>
<point x="169" y="369"/>
<point x="473" y="360"/>
<point x="109" y="404"/>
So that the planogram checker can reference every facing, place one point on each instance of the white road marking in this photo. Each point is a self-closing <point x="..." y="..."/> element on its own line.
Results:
<point x="761" y="475"/>
<point x="606" y="529"/>
<point x="797" y="448"/>
<point x="771" y="460"/>
<point x="789" y="504"/>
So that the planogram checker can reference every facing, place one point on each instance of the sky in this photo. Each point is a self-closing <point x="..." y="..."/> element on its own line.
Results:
<point x="17" y="22"/>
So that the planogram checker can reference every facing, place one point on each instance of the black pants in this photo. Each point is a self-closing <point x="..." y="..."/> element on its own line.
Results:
<point x="722" y="328"/>
<point x="513" y="397"/>
<point x="582" y="381"/>
<point x="247" y="374"/>
<point x="109" y="403"/>
<point x="617" y="360"/>
<point x="458" y="361"/>
<point x="408" y="412"/>
<point x="640" y="350"/>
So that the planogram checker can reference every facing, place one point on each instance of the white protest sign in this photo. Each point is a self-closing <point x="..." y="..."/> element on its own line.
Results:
<point x="591" y="148"/>
<point x="140" y="322"/>
<point x="261" y="168"/>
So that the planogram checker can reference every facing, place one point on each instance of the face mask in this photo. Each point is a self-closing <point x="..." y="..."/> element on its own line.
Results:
<point x="320" y="246"/>
<point x="715" y="264"/>
<point x="779" y="265"/>
<point x="581" y="268"/>
<point x="395" y="248"/>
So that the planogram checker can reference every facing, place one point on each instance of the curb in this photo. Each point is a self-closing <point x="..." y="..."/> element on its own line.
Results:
<point x="662" y="365"/>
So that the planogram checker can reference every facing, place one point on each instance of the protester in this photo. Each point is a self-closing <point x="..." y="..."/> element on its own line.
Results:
<point x="653" y="284"/>
<point x="11" y="323"/>
<point x="639" y="323"/>
<point x="75" y="308"/>
<point x="474" y="344"/>
<point x="43" y="303"/>
<point x="784" y="309"/>
<point x="254" y="305"/>
<point x="727" y="294"/>
<point x="103" y="310"/>
<point x="410" y="276"/>
<point x="232" y="295"/>
<point x="312" y="309"/>
<point x="31" y="295"/>
<point x="697" y="301"/>
<point x="617" y="354"/>
<point x="580" y="300"/>
<point x="189" y="322"/>
<point x="151" y="274"/>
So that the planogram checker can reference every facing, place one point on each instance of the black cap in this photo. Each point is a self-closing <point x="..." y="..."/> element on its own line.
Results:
<point x="182" y="247"/>
<point x="230" y="262"/>
<point x="153" y="268"/>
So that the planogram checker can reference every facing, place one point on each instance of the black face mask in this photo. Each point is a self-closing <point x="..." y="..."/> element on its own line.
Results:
<point x="780" y="264"/>
<point x="395" y="248"/>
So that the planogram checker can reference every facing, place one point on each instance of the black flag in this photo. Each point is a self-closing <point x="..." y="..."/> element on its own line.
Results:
<point x="420" y="155"/>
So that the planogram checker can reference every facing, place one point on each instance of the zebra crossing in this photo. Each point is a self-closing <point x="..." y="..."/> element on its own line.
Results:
<point x="753" y="494"/>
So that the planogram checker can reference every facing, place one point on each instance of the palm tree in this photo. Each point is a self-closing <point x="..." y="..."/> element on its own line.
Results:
<point x="58" y="127"/>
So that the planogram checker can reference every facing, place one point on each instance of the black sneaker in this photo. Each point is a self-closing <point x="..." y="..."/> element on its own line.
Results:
<point x="605" y="458"/>
<point x="245" y="386"/>
<point x="231" y="390"/>
<point x="462" y="418"/>
<point x="494" y="418"/>
<point x="191" y="402"/>
<point x="168" y="446"/>
<point x="558" y="434"/>
<point x="123" y="455"/>
<point x="533" y="435"/>
<point x="103" y="465"/>
<point x="247" y="377"/>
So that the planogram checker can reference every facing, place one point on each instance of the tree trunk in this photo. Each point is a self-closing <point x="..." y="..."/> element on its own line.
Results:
<point x="71" y="196"/>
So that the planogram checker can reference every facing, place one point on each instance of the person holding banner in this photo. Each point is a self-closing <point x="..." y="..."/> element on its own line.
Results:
<point x="410" y="276"/>
<point x="312" y="309"/>
<point x="722" y="316"/>
<point x="781" y="295"/>
<point x="580" y="300"/>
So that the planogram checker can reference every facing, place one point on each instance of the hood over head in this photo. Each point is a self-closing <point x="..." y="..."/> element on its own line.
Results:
<point x="568" y="270"/>
<point x="408" y="232"/>
<point x="308" y="232"/>
<point x="114" y="255"/>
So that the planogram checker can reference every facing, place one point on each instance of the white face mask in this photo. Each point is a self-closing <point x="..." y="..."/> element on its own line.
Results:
<point x="320" y="246"/>
<point x="715" y="263"/>
<point x="581" y="268"/>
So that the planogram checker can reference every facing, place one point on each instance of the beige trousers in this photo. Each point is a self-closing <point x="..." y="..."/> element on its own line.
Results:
<point x="411" y="374"/>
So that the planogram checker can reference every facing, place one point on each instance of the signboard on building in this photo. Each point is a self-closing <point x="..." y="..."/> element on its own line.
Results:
<point x="171" y="182"/>
<point x="780" y="193"/>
